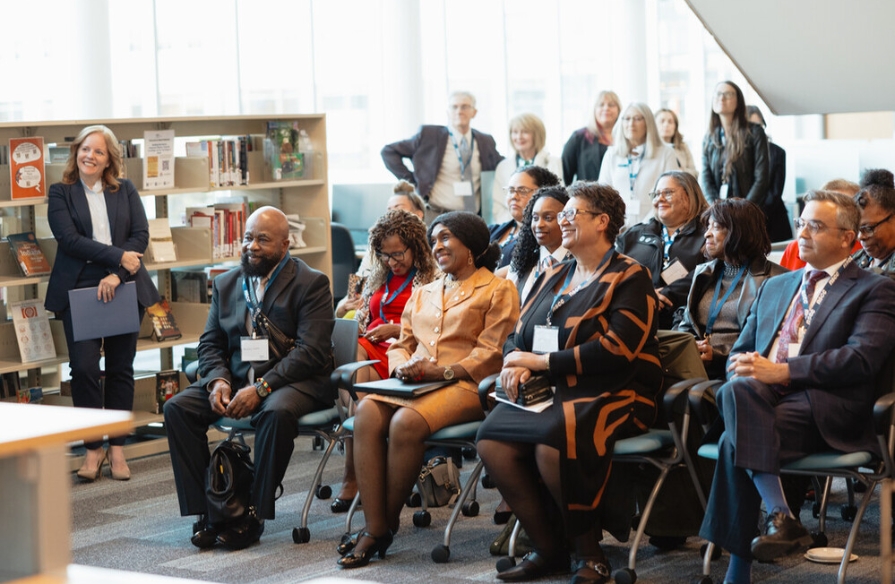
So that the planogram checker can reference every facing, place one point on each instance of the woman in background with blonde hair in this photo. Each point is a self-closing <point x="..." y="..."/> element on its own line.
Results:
<point x="528" y="137"/>
<point x="584" y="151"/>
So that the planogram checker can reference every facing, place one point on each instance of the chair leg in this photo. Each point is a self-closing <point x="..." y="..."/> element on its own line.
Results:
<point x="853" y="533"/>
<point x="468" y="489"/>
<point x="331" y="444"/>
<point x="644" y="517"/>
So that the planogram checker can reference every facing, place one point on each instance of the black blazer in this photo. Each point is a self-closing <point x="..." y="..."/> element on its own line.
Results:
<point x="69" y="217"/>
<point x="426" y="150"/>
<point x="581" y="157"/>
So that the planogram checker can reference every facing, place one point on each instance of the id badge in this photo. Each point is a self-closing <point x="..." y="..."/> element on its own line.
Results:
<point x="546" y="339"/>
<point x="722" y="192"/>
<point x="793" y="350"/>
<point x="632" y="206"/>
<point x="674" y="272"/>
<point x="463" y="188"/>
<point x="254" y="349"/>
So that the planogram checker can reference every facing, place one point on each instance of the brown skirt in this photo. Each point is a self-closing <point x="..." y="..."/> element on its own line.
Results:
<point x="455" y="404"/>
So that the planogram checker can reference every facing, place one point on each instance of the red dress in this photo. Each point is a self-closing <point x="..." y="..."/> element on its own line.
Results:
<point x="391" y="310"/>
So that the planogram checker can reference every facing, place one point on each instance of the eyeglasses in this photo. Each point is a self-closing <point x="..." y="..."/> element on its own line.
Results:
<point x="385" y="257"/>
<point x="813" y="227"/>
<point x="570" y="214"/>
<point x="632" y="119"/>
<point x="665" y="195"/>
<point x="725" y="94"/>
<point x="521" y="191"/>
<point x="867" y="230"/>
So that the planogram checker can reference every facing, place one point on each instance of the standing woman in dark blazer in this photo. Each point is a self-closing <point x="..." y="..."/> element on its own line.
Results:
<point x="583" y="153"/>
<point x="734" y="151"/>
<point x="100" y="225"/>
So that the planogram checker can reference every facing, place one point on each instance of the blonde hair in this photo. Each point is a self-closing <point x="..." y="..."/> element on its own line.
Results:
<point x="653" y="144"/>
<point x="533" y="124"/>
<point x="592" y="124"/>
<point x="111" y="173"/>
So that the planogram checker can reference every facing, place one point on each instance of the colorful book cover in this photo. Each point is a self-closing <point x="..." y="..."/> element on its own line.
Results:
<point x="26" y="168"/>
<point x="28" y="255"/>
<point x="167" y="384"/>
<point x="163" y="324"/>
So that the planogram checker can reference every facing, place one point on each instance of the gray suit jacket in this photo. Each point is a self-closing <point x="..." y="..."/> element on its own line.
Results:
<point x="843" y="350"/>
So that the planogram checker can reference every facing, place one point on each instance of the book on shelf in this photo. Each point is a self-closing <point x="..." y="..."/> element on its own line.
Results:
<point x="227" y="159"/>
<point x="32" y="328"/>
<point x="164" y="327"/>
<point x="161" y="241"/>
<point x="30" y="395"/>
<point x="167" y="385"/>
<point x="189" y="286"/>
<point x="28" y="255"/>
<point x="27" y="172"/>
<point x="11" y="384"/>
<point x="158" y="161"/>
<point x="282" y="157"/>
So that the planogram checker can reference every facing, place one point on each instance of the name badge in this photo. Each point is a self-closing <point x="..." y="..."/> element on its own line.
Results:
<point x="463" y="188"/>
<point x="722" y="192"/>
<point x="674" y="272"/>
<point x="632" y="206"/>
<point x="546" y="339"/>
<point x="793" y="350"/>
<point x="254" y="349"/>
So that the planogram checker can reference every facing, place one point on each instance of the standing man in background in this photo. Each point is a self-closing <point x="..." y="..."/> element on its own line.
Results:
<point x="447" y="160"/>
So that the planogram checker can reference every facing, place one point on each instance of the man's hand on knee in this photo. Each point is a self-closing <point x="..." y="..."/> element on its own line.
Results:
<point x="219" y="396"/>
<point x="244" y="403"/>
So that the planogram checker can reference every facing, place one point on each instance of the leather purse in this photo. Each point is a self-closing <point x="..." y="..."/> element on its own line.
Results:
<point x="280" y="343"/>
<point x="228" y="482"/>
<point x="534" y="391"/>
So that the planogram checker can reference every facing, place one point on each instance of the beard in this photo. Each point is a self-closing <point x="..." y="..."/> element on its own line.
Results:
<point x="262" y="268"/>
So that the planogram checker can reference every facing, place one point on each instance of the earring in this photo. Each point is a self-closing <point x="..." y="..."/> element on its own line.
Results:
<point x="469" y="259"/>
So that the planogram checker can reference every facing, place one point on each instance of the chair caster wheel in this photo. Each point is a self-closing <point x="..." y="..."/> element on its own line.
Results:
<point x="625" y="576"/>
<point x="440" y="554"/>
<point x="848" y="512"/>
<point x="422" y="519"/>
<point x="470" y="454"/>
<point x="414" y="500"/>
<point x="487" y="483"/>
<point x="301" y="535"/>
<point x="504" y="564"/>
<point x="324" y="492"/>
<point x="716" y="552"/>
<point x="470" y="508"/>
<point x="820" y="540"/>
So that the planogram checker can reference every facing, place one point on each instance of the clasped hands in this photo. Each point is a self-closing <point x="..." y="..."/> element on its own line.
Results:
<point x="130" y="261"/>
<point x="243" y="404"/>
<point x="753" y="365"/>
<point x="517" y="369"/>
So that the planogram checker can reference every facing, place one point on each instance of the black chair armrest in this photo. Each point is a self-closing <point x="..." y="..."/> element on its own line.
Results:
<point x="343" y="377"/>
<point x="702" y="402"/>
<point x="192" y="371"/>
<point x="485" y="387"/>
<point x="883" y="414"/>
<point x="676" y="398"/>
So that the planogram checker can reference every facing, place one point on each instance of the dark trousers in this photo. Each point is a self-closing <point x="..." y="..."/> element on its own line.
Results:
<point x="187" y="417"/>
<point x="84" y="356"/>
<point x="762" y="430"/>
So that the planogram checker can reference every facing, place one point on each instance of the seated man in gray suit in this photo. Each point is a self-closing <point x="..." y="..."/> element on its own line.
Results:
<point x="800" y="380"/>
<point x="447" y="160"/>
<point x="240" y="377"/>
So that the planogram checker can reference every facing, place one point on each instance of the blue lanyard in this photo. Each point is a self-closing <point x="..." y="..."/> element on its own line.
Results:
<point x="386" y="299"/>
<point x="715" y="307"/>
<point x="463" y="164"/>
<point x="632" y="176"/>
<point x="560" y="299"/>
<point x="522" y="163"/>
<point x="667" y="240"/>
<point x="249" y="292"/>
<point x="803" y="293"/>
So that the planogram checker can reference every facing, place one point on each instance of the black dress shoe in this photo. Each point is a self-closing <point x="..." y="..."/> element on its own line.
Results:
<point x="340" y="505"/>
<point x="244" y="533"/>
<point x="205" y="534"/>
<point x="785" y="535"/>
<point x="348" y="542"/>
<point x="534" y="566"/>
<point x="667" y="542"/>
<point x="359" y="559"/>
<point x="591" y="572"/>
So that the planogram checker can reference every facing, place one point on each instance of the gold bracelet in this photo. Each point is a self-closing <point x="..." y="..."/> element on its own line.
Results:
<point x="547" y="361"/>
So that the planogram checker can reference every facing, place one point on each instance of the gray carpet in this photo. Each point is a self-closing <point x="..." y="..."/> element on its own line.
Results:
<point x="136" y="526"/>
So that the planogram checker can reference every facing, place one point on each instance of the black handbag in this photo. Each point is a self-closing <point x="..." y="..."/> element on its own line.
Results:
<point x="280" y="343"/>
<point x="534" y="391"/>
<point x="228" y="481"/>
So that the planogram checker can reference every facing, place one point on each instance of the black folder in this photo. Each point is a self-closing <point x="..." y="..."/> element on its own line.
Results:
<point x="396" y="387"/>
<point x="94" y="319"/>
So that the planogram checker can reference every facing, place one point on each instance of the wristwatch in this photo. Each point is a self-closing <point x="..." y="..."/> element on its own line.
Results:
<point x="448" y="373"/>
<point x="262" y="388"/>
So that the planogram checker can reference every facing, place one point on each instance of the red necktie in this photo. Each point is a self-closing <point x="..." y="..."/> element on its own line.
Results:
<point x="789" y="333"/>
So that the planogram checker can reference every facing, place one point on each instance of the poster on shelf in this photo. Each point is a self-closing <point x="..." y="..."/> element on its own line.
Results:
<point x="27" y="174"/>
<point x="33" y="333"/>
<point x="158" y="161"/>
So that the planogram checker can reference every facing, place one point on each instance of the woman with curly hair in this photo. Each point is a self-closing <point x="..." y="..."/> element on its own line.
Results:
<point x="400" y="263"/>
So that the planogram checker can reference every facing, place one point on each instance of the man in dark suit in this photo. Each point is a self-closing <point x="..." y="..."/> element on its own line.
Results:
<point x="800" y="380"/>
<point x="447" y="161"/>
<point x="274" y="392"/>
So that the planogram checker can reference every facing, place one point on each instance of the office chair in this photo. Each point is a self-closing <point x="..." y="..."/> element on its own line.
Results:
<point x="344" y="260"/>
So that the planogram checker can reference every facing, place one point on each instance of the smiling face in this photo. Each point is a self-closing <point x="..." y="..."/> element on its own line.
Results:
<point x="715" y="236"/>
<point x="607" y="113"/>
<point x="390" y="250"/>
<point x="673" y="208"/>
<point x="544" y="223"/>
<point x="580" y="232"/>
<point x="881" y="242"/>
<point x="93" y="158"/>
<point x="666" y="125"/>
<point x="523" y="187"/>
<point x="450" y="254"/>
<point x="523" y="142"/>
<point x="830" y="244"/>
<point x="634" y="126"/>
<point x="265" y="242"/>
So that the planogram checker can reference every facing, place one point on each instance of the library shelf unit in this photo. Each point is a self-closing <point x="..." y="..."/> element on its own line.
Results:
<point x="307" y="197"/>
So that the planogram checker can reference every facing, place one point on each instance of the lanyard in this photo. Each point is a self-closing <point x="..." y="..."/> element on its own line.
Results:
<point x="803" y="294"/>
<point x="251" y="297"/>
<point x="667" y="240"/>
<point x="511" y="236"/>
<point x="715" y="306"/>
<point x="632" y="176"/>
<point x="522" y="163"/>
<point x="559" y="299"/>
<point x="386" y="299"/>
<point x="463" y="164"/>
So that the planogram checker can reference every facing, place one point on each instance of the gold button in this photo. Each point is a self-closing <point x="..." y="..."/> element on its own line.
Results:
<point x="436" y="329"/>
<point x="431" y="343"/>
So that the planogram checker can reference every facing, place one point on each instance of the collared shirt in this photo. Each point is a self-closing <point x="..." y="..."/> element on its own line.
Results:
<point x="99" y="215"/>
<point x="442" y="195"/>
<point x="560" y="254"/>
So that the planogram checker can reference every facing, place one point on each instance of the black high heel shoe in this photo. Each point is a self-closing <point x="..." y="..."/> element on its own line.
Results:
<point x="340" y="505"/>
<point x="360" y="559"/>
<point x="348" y="542"/>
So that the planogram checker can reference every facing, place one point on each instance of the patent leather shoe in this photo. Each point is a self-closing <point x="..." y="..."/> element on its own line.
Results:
<point x="591" y="572"/>
<point x="244" y="533"/>
<point x="340" y="505"/>
<point x="534" y="566"/>
<point x="785" y="535"/>
<point x="359" y="559"/>
<point x="348" y="542"/>
<point x="205" y="533"/>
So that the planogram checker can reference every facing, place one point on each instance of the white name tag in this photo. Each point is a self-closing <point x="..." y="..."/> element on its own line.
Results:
<point x="254" y="349"/>
<point x="632" y="206"/>
<point x="463" y="188"/>
<point x="793" y="350"/>
<point x="722" y="192"/>
<point x="674" y="272"/>
<point x="546" y="339"/>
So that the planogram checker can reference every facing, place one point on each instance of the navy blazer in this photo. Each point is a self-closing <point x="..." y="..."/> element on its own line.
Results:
<point x="844" y="349"/>
<point x="300" y="304"/>
<point x="69" y="217"/>
<point x="426" y="150"/>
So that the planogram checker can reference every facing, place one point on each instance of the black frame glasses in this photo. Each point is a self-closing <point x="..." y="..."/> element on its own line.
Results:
<point x="867" y="230"/>
<point x="397" y="256"/>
